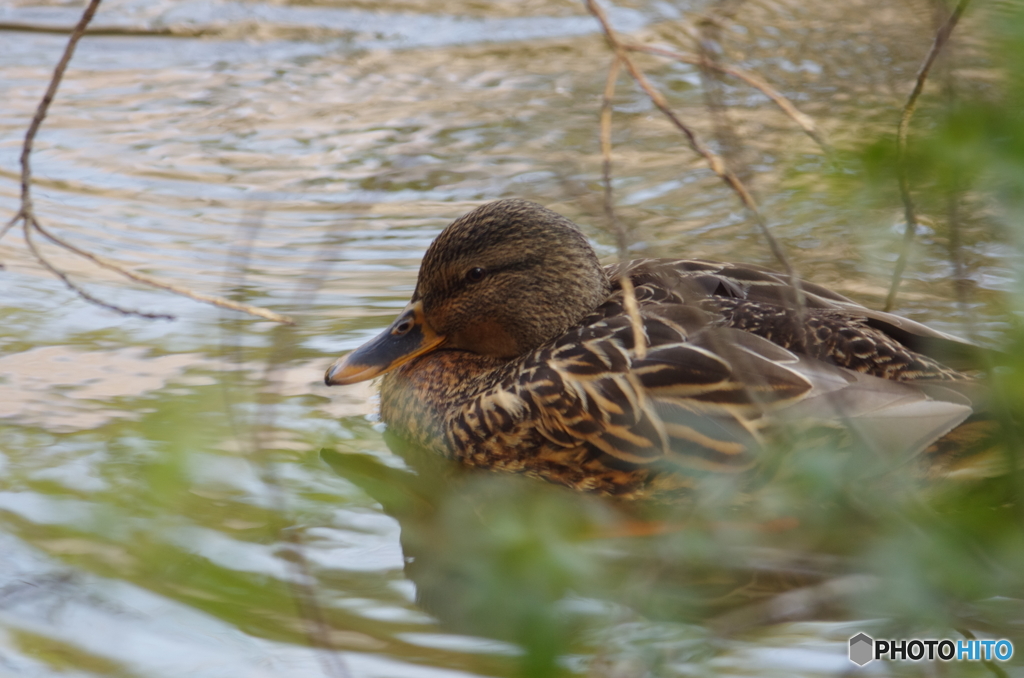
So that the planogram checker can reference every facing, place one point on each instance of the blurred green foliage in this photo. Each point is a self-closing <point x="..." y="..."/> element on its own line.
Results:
<point x="831" y="534"/>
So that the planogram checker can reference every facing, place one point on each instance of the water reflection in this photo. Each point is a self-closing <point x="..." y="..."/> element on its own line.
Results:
<point x="157" y="476"/>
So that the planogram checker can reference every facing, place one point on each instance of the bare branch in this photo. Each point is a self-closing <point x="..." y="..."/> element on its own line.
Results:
<point x="804" y="121"/>
<point x="621" y="237"/>
<point x="909" y="211"/>
<point x="606" y="156"/>
<point x="44" y="106"/>
<point x="29" y="227"/>
<point x="160" y="284"/>
<point x="714" y="161"/>
<point x="26" y="213"/>
<point x="135" y="31"/>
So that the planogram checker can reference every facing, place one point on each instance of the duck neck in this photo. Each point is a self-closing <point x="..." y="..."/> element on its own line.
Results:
<point x="418" y="397"/>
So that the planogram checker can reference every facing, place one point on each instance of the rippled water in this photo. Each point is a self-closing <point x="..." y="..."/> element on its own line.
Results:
<point x="301" y="156"/>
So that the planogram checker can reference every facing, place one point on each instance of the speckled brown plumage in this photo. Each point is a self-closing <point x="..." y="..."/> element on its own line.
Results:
<point x="521" y="358"/>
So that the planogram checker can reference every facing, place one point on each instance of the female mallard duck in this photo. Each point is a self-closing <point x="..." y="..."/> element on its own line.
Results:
<point x="517" y="353"/>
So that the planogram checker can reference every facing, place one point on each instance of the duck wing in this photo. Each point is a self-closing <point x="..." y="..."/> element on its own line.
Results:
<point x="703" y="396"/>
<point x="681" y="404"/>
<point x="828" y="326"/>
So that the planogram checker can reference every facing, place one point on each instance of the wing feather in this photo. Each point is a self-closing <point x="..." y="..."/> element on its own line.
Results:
<point x="702" y="396"/>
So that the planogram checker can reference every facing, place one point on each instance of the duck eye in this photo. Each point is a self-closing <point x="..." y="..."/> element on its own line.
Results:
<point x="475" y="274"/>
<point x="402" y="328"/>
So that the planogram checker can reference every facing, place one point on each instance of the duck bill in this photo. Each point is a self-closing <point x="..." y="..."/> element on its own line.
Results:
<point x="408" y="337"/>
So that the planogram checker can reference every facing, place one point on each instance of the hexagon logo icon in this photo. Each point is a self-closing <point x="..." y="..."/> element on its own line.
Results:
<point x="861" y="649"/>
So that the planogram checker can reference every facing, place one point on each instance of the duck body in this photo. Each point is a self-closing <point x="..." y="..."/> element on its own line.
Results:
<point x="517" y="353"/>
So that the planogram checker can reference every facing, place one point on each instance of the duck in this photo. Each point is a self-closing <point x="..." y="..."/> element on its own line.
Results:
<point x="520" y="352"/>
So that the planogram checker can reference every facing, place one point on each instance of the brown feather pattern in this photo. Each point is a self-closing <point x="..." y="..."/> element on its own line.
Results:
<point x="729" y="356"/>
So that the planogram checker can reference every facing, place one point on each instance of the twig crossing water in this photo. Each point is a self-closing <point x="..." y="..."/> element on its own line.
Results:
<point x="909" y="211"/>
<point x="31" y="225"/>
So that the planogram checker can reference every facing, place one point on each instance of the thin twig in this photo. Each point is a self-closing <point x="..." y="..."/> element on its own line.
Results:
<point x="804" y="121"/>
<point x="716" y="164"/>
<point x="26" y="213"/>
<point x="709" y="49"/>
<point x="628" y="291"/>
<point x="44" y="106"/>
<point x="160" y="284"/>
<point x="134" y="31"/>
<point x="9" y="225"/>
<point x="606" y="156"/>
<point x="909" y="211"/>
<point x="29" y="227"/>
<point x="961" y="281"/>
<point x="714" y="161"/>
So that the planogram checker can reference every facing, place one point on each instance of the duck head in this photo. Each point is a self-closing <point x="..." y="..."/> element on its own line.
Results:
<point x="499" y="282"/>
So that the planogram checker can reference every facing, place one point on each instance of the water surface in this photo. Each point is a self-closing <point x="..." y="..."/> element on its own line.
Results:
<point x="157" y="478"/>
